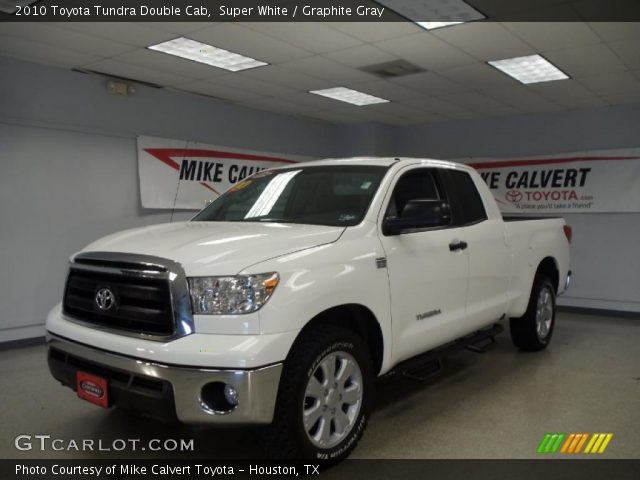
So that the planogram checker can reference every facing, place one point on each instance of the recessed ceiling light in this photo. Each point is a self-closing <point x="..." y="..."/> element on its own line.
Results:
<point x="442" y="12"/>
<point x="434" y="25"/>
<point x="207" y="54"/>
<point x="11" y="6"/>
<point x="529" y="69"/>
<point x="350" y="96"/>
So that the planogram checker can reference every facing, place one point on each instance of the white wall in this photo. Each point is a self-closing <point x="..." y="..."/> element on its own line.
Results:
<point x="605" y="262"/>
<point x="69" y="170"/>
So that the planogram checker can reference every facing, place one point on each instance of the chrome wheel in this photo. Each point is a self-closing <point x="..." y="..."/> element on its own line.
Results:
<point x="544" y="312"/>
<point x="332" y="399"/>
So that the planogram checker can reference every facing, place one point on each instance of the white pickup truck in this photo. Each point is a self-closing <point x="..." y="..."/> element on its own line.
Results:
<point x="280" y="302"/>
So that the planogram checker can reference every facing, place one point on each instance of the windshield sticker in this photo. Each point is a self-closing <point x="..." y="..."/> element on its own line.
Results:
<point x="365" y="186"/>
<point x="346" y="217"/>
<point x="264" y="173"/>
<point x="240" y="186"/>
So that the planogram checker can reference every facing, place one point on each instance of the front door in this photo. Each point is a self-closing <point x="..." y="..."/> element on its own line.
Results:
<point x="427" y="271"/>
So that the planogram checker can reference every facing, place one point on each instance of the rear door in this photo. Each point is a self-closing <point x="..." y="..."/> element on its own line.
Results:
<point x="489" y="255"/>
<point x="427" y="277"/>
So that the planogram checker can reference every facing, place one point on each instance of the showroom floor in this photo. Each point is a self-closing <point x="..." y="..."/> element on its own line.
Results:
<point x="495" y="405"/>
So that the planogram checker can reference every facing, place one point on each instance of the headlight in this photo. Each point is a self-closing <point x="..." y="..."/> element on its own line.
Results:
<point x="231" y="295"/>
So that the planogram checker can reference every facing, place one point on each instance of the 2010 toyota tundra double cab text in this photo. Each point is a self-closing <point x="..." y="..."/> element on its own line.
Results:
<point x="280" y="302"/>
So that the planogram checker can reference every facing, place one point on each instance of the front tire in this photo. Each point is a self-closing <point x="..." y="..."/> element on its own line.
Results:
<point x="324" y="398"/>
<point x="532" y="332"/>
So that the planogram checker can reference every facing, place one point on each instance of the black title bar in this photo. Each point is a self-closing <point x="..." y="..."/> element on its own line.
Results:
<point x="314" y="11"/>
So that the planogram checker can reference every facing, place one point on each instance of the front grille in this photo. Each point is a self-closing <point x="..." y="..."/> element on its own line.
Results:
<point x="142" y="304"/>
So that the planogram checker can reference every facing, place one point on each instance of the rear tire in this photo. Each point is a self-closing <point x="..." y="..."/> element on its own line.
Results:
<point x="324" y="398"/>
<point x="532" y="332"/>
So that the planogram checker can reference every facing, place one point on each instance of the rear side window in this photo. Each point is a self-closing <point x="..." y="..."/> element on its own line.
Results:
<point x="466" y="203"/>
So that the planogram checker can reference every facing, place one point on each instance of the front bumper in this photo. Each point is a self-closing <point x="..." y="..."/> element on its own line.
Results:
<point x="168" y="391"/>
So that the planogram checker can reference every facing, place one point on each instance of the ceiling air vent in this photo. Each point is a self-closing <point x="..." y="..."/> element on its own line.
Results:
<point x="397" y="68"/>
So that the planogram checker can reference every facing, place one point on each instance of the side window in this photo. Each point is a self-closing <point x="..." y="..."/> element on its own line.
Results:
<point x="418" y="183"/>
<point x="466" y="204"/>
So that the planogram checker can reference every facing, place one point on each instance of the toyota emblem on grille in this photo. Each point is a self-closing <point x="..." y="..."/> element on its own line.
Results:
<point x="105" y="299"/>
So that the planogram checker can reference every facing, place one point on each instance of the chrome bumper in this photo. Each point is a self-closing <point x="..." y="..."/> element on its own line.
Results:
<point x="256" y="389"/>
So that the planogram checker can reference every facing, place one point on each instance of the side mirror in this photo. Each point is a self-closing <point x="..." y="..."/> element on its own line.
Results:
<point x="416" y="214"/>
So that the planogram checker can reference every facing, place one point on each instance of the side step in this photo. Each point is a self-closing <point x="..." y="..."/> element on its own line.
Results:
<point x="429" y="364"/>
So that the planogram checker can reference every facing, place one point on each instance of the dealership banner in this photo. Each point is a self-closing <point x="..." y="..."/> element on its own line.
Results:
<point x="181" y="174"/>
<point x="595" y="181"/>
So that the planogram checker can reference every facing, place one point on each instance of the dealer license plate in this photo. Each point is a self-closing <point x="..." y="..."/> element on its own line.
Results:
<point x="92" y="388"/>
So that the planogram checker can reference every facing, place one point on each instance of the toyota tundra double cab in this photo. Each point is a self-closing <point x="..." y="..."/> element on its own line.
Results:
<point x="280" y="302"/>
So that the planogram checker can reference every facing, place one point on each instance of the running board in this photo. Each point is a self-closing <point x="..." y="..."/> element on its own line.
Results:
<point x="429" y="364"/>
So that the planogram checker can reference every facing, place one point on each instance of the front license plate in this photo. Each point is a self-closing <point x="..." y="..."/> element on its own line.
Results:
<point x="92" y="388"/>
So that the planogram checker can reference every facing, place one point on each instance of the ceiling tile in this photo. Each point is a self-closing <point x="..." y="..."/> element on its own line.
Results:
<point x="219" y="91"/>
<point x="485" y="40"/>
<point x="523" y="99"/>
<point x="321" y="67"/>
<point x="427" y="51"/>
<point x="361" y="56"/>
<point x="612" y="31"/>
<point x="584" y="61"/>
<point x="43" y="53"/>
<point x="434" y="106"/>
<point x="135" y="72"/>
<point x="275" y="105"/>
<point x="135" y="34"/>
<point x="478" y="102"/>
<point x="611" y="84"/>
<point x="169" y="63"/>
<point x="371" y="31"/>
<point x="544" y="36"/>
<point x="628" y="51"/>
<point x="429" y="83"/>
<point x="568" y="93"/>
<point x="629" y="98"/>
<point x="239" y="39"/>
<point x="478" y="76"/>
<point x="288" y="78"/>
<point x="311" y="36"/>
<point x="247" y="83"/>
<point x="53" y="36"/>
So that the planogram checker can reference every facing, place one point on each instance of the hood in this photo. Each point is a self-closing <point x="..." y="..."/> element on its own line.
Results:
<point x="217" y="248"/>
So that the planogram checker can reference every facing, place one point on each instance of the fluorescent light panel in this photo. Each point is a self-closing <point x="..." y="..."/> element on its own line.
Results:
<point x="208" y="54"/>
<point x="349" y="96"/>
<point x="530" y="69"/>
<point x="431" y="14"/>
<point x="11" y="6"/>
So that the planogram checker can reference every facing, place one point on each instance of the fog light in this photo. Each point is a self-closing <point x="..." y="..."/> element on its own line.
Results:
<point x="231" y="395"/>
<point x="218" y="398"/>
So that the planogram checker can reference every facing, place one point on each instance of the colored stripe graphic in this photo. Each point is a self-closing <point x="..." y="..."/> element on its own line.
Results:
<point x="598" y="443"/>
<point x="573" y="443"/>
<point x="550" y="443"/>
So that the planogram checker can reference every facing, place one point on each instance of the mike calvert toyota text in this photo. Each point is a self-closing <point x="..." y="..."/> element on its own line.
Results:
<point x="280" y="302"/>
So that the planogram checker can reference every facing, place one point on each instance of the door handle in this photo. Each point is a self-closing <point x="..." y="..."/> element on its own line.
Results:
<point x="457" y="245"/>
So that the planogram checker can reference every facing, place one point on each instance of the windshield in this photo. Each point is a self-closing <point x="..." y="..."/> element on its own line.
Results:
<point x="331" y="195"/>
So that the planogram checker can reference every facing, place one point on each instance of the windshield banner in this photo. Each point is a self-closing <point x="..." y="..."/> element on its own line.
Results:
<point x="595" y="181"/>
<point x="180" y="174"/>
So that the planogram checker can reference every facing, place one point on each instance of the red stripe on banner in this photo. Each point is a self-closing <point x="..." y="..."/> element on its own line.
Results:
<point x="194" y="152"/>
<point x="544" y="161"/>
<point x="165" y="156"/>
